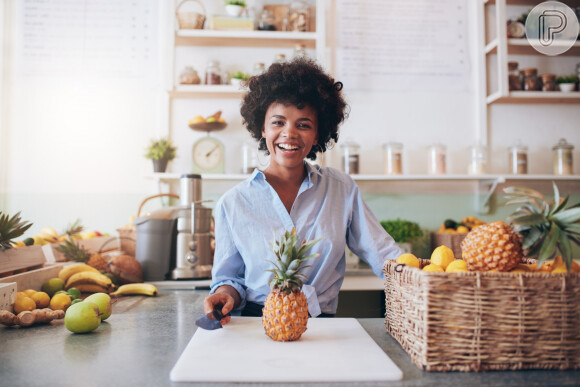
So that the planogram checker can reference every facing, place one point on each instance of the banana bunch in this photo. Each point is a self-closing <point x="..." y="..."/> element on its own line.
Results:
<point x="472" y="222"/>
<point x="85" y="278"/>
<point x="139" y="289"/>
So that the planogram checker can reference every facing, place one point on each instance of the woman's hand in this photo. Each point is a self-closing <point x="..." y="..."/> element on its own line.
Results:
<point x="225" y="298"/>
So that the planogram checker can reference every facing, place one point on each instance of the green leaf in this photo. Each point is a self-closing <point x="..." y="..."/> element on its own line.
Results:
<point x="528" y="220"/>
<point x="532" y="237"/>
<point x="549" y="246"/>
<point x="561" y="206"/>
<point x="566" y="250"/>
<point x="568" y="216"/>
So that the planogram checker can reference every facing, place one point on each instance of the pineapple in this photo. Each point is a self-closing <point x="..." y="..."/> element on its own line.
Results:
<point x="10" y="228"/>
<point x="285" y="312"/>
<point x="492" y="246"/>
<point x="74" y="252"/>
<point x="547" y="227"/>
<point x="73" y="230"/>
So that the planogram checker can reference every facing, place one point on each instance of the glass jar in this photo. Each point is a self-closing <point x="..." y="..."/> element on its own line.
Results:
<point x="258" y="69"/>
<point x="478" y="160"/>
<point x="518" y="159"/>
<point x="548" y="82"/>
<point x="267" y="21"/>
<point x="393" y="152"/>
<point x="299" y="17"/>
<point x="437" y="163"/>
<point x="249" y="157"/>
<point x="350" y="157"/>
<point x="514" y="81"/>
<point x="279" y="58"/>
<point x="531" y="80"/>
<point x="189" y="76"/>
<point x="300" y="50"/>
<point x="563" y="160"/>
<point x="213" y="73"/>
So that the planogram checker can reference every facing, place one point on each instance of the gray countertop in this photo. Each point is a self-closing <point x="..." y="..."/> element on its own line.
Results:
<point x="141" y="342"/>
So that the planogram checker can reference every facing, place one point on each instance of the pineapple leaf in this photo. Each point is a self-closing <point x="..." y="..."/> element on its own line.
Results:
<point x="522" y="191"/>
<point x="566" y="250"/>
<point x="527" y="220"/>
<point x="533" y="236"/>
<point x="517" y="200"/>
<point x="556" y="195"/>
<point x="561" y="206"/>
<point x="548" y="248"/>
<point x="568" y="216"/>
<point x="11" y="228"/>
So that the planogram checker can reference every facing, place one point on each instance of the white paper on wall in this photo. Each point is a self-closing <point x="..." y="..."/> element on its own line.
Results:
<point x="92" y="40"/>
<point x="402" y="45"/>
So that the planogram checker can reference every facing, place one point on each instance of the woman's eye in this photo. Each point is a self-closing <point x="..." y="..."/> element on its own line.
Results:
<point x="303" y="125"/>
<point x="277" y="123"/>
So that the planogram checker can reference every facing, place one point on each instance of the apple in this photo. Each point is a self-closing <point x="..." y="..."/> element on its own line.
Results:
<point x="103" y="301"/>
<point x="82" y="317"/>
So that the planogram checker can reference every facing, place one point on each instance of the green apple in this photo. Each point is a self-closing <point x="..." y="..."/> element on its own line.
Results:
<point x="82" y="317"/>
<point x="103" y="301"/>
<point x="52" y="286"/>
<point x="74" y="292"/>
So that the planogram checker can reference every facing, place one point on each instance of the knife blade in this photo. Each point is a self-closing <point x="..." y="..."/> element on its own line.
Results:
<point x="211" y="320"/>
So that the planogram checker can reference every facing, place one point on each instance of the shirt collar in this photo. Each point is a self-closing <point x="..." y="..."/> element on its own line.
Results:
<point x="310" y="170"/>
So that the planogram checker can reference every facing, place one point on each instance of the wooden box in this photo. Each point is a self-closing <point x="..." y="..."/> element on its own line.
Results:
<point x="20" y="259"/>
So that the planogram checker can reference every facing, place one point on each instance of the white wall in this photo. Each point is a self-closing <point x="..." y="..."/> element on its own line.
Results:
<point x="75" y="149"/>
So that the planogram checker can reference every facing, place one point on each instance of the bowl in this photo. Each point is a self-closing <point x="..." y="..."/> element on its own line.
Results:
<point x="208" y="126"/>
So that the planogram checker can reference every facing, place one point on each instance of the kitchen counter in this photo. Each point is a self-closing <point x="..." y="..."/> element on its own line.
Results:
<point x="141" y="342"/>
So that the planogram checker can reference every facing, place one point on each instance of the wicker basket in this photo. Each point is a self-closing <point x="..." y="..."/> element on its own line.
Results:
<point x="453" y="241"/>
<point x="190" y="20"/>
<point x="474" y="321"/>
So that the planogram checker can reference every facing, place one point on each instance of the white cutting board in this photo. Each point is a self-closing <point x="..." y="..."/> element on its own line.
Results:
<point x="331" y="350"/>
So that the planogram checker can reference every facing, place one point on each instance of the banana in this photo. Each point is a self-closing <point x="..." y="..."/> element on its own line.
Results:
<point x="68" y="271"/>
<point x="92" y="288"/>
<point x="143" y="289"/>
<point x="89" y="277"/>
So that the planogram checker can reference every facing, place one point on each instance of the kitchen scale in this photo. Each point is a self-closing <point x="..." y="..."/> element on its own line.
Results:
<point x="208" y="152"/>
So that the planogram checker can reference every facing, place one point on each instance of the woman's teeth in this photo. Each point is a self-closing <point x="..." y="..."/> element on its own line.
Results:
<point x="287" y="147"/>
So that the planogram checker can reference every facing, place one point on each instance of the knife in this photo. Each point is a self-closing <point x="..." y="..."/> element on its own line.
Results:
<point x="211" y="320"/>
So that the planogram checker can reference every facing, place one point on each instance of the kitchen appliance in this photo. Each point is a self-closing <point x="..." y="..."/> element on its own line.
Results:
<point x="165" y="245"/>
<point x="194" y="258"/>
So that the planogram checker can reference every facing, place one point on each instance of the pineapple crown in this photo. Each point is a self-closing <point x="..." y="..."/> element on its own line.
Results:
<point x="73" y="251"/>
<point x="11" y="228"/>
<point x="290" y="262"/>
<point x="74" y="229"/>
<point x="547" y="227"/>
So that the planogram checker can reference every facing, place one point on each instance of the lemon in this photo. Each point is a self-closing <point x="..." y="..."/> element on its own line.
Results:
<point x="23" y="304"/>
<point x="211" y="119"/>
<point x="462" y="229"/>
<point x="41" y="299"/>
<point x="456" y="266"/>
<point x="29" y="292"/>
<point x="442" y="256"/>
<point x="409" y="260"/>
<point x="433" y="267"/>
<point x="197" y="120"/>
<point x="60" y="301"/>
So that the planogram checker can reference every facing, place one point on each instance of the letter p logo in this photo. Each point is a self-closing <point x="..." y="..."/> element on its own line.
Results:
<point x="552" y="28"/>
<point x="552" y="22"/>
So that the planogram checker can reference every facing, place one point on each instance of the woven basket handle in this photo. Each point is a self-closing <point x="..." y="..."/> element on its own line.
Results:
<point x="153" y="197"/>
<point x="195" y="1"/>
<point x="113" y="239"/>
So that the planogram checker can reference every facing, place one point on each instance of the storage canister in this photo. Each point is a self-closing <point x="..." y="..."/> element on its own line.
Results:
<point x="563" y="160"/>
<point x="518" y="159"/>
<point x="350" y="157"/>
<point x="531" y="80"/>
<point x="437" y="163"/>
<point x="393" y="152"/>
<point x="514" y="81"/>
<point x="478" y="160"/>
<point x="213" y="73"/>
<point x="548" y="82"/>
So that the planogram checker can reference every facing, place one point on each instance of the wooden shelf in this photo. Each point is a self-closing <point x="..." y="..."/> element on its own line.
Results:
<point x="531" y="3"/>
<point x="546" y="97"/>
<point x="206" y="91"/>
<point x="523" y="47"/>
<point x="244" y="38"/>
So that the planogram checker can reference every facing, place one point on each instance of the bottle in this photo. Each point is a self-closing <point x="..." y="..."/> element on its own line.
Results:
<point x="299" y="17"/>
<point x="393" y="158"/>
<point x="213" y="73"/>
<point x="563" y="161"/>
<point x="437" y="163"/>
<point x="518" y="159"/>
<point x="531" y="80"/>
<point x="249" y="157"/>
<point x="478" y="160"/>
<point x="300" y="50"/>
<point x="350" y="157"/>
<point x="279" y="58"/>
<point x="258" y="69"/>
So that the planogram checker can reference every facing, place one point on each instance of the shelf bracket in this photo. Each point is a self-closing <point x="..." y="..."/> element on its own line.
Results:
<point x="486" y="188"/>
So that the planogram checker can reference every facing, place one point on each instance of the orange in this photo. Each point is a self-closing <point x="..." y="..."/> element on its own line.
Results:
<point x="409" y="260"/>
<point x="29" y="292"/>
<point x="442" y="256"/>
<point x="23" y="304"/>
<point x="41" y="299"/>
<point x="433" y="267"/>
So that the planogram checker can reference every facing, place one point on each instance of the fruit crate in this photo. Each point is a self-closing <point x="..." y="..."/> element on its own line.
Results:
<point x="17" y="260"/>
<point x="93" y="245"/>
<point x="479" y="321"/>
<point x="33" y="279"/>
<point x="451" y="240"/>
<point x="7" y="295"/>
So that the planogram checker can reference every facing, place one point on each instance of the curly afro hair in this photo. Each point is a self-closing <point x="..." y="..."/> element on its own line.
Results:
<point x="298" y="82"/>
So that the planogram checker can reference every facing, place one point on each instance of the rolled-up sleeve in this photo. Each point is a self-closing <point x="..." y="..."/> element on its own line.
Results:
<point x="228" y="266"/>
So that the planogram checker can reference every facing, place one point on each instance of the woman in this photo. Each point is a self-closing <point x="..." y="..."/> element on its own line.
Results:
<point x="293" y="110"/>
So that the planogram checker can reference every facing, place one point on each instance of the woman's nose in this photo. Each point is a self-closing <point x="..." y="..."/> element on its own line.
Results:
<point x="289" y="130"/>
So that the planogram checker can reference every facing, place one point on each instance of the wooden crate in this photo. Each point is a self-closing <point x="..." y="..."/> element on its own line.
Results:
<point x="93" y="245"/>
<point x="7" y="295"/>
<point x="20" y="259"/>
<point x="33" y="279"/>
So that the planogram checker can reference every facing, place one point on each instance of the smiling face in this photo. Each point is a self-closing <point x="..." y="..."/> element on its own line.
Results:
<point x="290" y="134"/>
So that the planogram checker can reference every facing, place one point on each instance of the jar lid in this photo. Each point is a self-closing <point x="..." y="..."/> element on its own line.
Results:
<point x="518" y="147"/>
<point x="512" y="65"/>
<point x="530" y="71"/>
<point x="350" y="144"/>
<point x="392" y="144"/>
<point x="213" y="63"/>
<point x="563" y="144"/>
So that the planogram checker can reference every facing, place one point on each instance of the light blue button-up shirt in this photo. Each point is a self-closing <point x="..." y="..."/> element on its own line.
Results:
<point x="329" y="205"/>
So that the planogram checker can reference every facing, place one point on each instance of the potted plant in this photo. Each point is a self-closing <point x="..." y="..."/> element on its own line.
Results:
<point x="567" y="83"/>
<point x="404" y="232"/>
<point x="235" y="8"/>
<point x="238" y="78"/>
<point x="161" y="152"/>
